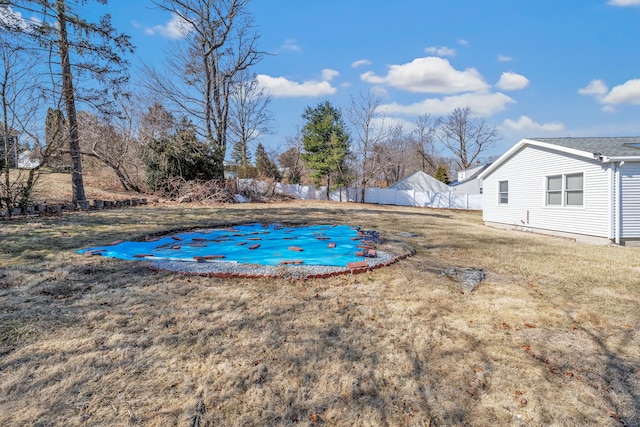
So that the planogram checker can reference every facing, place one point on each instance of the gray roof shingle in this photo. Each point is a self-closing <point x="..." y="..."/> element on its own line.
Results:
<point x="606" y="146"/>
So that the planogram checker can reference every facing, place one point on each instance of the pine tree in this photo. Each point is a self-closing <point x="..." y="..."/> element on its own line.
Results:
<point x="265" y="166"/>
<point x="442" y="175"/>
<point x="326" y="143"/>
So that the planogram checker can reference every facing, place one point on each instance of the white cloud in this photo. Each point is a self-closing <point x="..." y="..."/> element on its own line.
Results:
<point x="463" y="42"/>
<point x="10" y="18"/>
<point x="328" y="74"/>
<point x="624" y="3"/>
<point x="290" y="45"/>
<point x="626" y="93"/>
<point x="440" y="51"/>
<point x="360" y="63"/>
<point x="176" y="28"/>
<point x="596" y="88"/>
<point x="429" y="75"/>
<point x="526" y="124"/>
<point x="504" y="58"/>
<point x="281" y="87"/>
<point x="512" y="81"/>
<point x="380" y="91"/>
<point x="482" y="104"/>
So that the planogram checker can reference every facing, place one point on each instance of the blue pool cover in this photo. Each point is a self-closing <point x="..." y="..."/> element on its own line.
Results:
<point x="272" y="244"/>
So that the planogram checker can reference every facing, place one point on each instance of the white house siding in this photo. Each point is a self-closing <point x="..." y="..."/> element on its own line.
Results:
<point x="526" y="171"/>
<point x="630" y="191"/>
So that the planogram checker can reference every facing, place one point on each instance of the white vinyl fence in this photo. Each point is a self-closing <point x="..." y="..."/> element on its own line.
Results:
<point x="383" y="196"/>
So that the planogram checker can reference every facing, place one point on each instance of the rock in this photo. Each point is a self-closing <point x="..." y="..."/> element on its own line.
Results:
<point x="240" y="198"/>
<point x="469" y="279"/>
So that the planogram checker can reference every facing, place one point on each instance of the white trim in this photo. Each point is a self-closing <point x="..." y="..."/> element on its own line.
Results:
<point x="616" y="159"/>
<point x="611" y="201"/>
<point x="618" y="209"/>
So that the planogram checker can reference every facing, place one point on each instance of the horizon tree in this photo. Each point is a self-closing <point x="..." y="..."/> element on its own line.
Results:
<point x="249" y="116"/>
<point x="218" y="43"/>
<point x="467" y="138"/>
<point x="326" y="144"/>
<point x="78" y="48"/>
<point x="364" y="115"/>
<point x="423" y="137"/>
<point x="265" y="166"/>
<point x="20" y="100"/>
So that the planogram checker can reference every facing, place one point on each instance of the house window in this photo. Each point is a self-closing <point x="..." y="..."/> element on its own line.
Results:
<point x="503" y="192"/>
<point x="574" y="189"/>
<point x="565" y="190"/>
<point x="554" y="190"/>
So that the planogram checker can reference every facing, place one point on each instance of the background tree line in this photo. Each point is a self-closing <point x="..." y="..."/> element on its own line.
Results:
<point x="64" y="89"/>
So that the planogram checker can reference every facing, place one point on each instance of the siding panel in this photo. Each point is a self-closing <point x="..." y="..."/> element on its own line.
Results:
<point x="526" y="171"/>
<point x="630" y="191"/>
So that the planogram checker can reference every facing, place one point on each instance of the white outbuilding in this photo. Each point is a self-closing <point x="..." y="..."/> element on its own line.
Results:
<point x="583" y="188"/>
<point x="420" y="181"/>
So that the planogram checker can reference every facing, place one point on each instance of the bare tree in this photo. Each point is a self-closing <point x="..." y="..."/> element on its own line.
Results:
<point x="156" y="123"/>
<point x="465" y="137"/>
<point x="78" y="47"/>
<point x="423" y="141"/>
<point x="219" y="43"/>
<point x="368" y="124"/>
<point x="113" y="142"/>
<point x="397" y="154"/>
<point x="291" y="159"/>
<point x="22" y="98"/>
<point x="249" y="116"/>
<point x="20" y="101"/>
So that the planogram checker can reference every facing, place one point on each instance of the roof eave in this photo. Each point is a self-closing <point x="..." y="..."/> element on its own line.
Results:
<point x="534" y="143"/>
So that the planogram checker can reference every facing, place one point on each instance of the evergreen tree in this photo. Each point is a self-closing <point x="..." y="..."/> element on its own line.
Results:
<point x="179" y="155"/>
<point x="442" y="175"/>
<point x="265" y="166"/>
<point x="326" y="144"/>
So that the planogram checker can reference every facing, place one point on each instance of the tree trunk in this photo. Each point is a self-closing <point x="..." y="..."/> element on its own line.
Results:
<point x="77" y="183"/>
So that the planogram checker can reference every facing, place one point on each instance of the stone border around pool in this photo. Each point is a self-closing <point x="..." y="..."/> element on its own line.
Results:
<point x="290" y="272"/>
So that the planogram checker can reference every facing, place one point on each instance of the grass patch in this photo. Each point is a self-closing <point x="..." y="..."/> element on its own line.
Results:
<point x="551" y="337"/>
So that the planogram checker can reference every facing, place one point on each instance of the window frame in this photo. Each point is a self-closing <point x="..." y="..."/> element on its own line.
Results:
<point x="503" y="193"/>
<point x="565" y="191"/>
<point x="555" y="191"/>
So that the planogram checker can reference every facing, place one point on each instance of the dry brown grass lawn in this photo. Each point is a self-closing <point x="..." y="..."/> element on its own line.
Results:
<point x="551" y="338"/>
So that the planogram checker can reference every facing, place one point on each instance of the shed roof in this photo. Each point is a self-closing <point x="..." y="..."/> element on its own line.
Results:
<point x="420" y="181"/>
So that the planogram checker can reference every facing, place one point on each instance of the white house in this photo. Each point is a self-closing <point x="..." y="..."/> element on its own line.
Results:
<point x="584" y="188"/>
<point x="468" y="181"/>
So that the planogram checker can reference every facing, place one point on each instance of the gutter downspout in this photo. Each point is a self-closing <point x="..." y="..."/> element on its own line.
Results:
<point x="611" y="216"/>
<point x="618" y="209"/>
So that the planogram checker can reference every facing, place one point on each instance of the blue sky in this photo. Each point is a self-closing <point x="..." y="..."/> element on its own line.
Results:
<point x="529" y="67"/>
